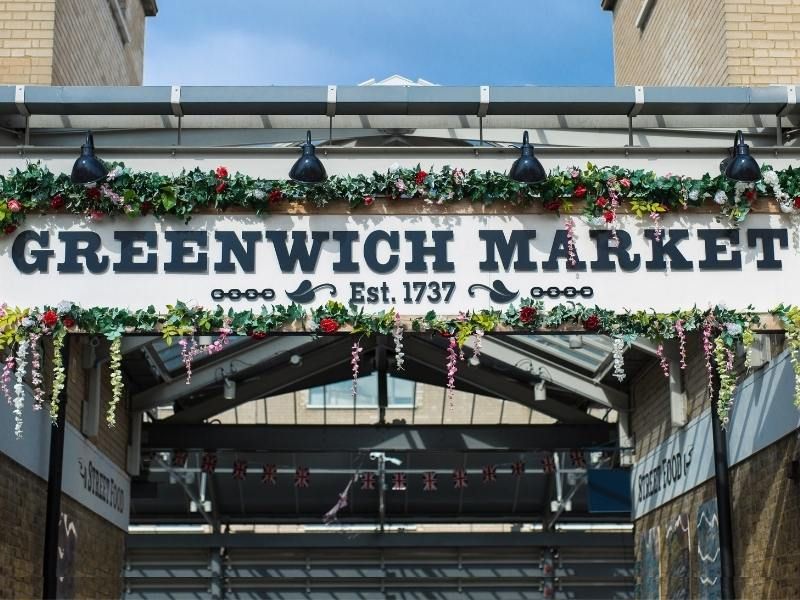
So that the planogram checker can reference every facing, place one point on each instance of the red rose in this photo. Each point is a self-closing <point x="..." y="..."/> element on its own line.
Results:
<point x="580" y="191"/>
<point x="608" y="216"/>
<point x="601" y="202"/>
<point x="93" y="193"/>
<point x="420" y="179"/>
<point x="258" y="335"/>
<point x="221" y="172"/>
<point x="68" y="322"/>
<point x="221" y="187"/>
<point x="797" y="202"/>
<point x="328" y="325"/>
<point x="368" y="200"/>
<point x="276" y="195"/>
<point x="14" y="205"/>
<point x="591" y="323"/>
<point x="97" y="215"/>
<point x="750" y="195"/>
<point x="145" y="208"/>
<point x="50" y="318"/>
<point x="527" y="314"/>
<point x="553" y="205"/>
<point x="9" y="229"/>
<point x="57" y="202"/>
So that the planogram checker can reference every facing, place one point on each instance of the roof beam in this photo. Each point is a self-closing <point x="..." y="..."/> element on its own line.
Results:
<point x="163" y="435"/>
<point x="504" y="350"/>
<point x="205" y="373"/>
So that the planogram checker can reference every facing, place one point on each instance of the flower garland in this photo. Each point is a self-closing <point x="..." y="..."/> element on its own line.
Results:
<point x="397" y="337"/>
<point x="181" y="320"/>
<point x="5" y="378"/>
<point x="117" y="387"/>
<point x="723" y="357"/>
<point x="59" y="372"/>
<point x="618" y="354"/>
<point x="19" y="387"/>
<point x="36" y="371"/>
<point x="355" y="361"/>
<point x="602" y="191"/>
<point x="790" y="316"/>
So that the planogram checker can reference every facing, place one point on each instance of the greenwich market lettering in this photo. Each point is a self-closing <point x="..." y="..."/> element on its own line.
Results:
<point x="139" y="252"/>
<point x="102" y="486"/>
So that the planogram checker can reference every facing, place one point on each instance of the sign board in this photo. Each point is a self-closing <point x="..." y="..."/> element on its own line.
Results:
<point x="89" y="477"/>
<point x="416" y="263"/>
<point x="762" y="413"/>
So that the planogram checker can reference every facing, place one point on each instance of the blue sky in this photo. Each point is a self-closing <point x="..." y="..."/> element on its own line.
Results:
<point x="315" y="42"/>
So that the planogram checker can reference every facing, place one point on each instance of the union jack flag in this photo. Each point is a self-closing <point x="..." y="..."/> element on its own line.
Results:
<point x="302" y="477"/>
<point x="368" y="481"/>
<point x="399" y="482"/>
<point x="179" y="458"/>
<point x="269" y="474"/>
<point x="429" y="481"/>
<point x="489" y="473"/>
<point x="549" y="464"/>
<point x="239" y="469"/>
<point x="460" y="479"/>
<point x="576" y="456"/>
<point x="518" y="468"/>
<point x="209" y="464"/>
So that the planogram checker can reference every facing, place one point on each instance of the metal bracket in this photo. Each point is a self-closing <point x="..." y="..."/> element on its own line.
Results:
<point x="638" y="103"/>
<point x="175" y="101"/>
<point x="483" y="107"/>
<point x="19" y="100"/>
<point x="791" y="101"/>
<point x="330" y="111"/>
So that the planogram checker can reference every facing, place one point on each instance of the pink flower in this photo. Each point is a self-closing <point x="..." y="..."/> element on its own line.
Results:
<point x="625" y="182"/>
<point x="14" y="205"/>
<point x="575" y="173"/>
<point x="96" y="215"/>
<point x="400" y="185"/>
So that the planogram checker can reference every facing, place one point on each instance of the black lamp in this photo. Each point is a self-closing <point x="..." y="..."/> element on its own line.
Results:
<point x="88" y="168"/>
<point x="527" y="168"/>
<point x="740" y="166"/>
<point x="308" y="168"/>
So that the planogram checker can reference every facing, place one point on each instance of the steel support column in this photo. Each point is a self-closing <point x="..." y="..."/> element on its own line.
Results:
<point x="722" y="485"/>
<point x="53" y="506"/>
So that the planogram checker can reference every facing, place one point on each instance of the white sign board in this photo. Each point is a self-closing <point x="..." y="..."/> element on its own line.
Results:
<point x="762" y="413"/>
<point x="416" y="263"/>
<point x="88" y="476"/>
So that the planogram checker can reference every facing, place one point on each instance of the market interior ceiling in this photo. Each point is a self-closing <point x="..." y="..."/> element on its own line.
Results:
<point x="555" y="393"/>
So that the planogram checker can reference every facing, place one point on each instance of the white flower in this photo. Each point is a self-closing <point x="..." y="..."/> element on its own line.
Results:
<point x="259" y="194"/>
<point x="741" y="186"/>
<point x="694" y="195"/>
<point x="394" y="166"/>
<point x="63" y="307"/>
<point x="733" y="328"/>
<point x="771" y="178"/>
<point x="28" y="322"/>
<point x="114" y="173"/>
<point x="721" y="197"/>
<point x="597" y="221"/>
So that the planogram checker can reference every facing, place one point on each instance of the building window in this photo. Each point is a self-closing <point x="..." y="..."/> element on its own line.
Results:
<point x="644" y="14"/>
<point x="340" y="395"/>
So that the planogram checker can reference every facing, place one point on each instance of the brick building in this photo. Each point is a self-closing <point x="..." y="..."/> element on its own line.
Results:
<point x="73" y="42"/>
<point x="706" y="42"/>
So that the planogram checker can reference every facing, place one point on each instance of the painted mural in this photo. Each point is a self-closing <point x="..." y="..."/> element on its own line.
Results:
<point x="708" y="559"/>
<point x="678" y="557"/>
<point x="648" y="568"/>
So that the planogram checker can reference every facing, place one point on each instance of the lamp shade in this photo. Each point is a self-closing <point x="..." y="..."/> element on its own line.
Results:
<point x="742" y="166"/>
<point x="308" y="168"/>
<point x="88" y="168"/>
<point x="527" y="168"/>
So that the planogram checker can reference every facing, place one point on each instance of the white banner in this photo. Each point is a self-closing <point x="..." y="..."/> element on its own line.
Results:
<point x="416" y="263"/>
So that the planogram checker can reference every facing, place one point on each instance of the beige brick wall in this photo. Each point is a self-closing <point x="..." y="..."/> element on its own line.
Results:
<point x="99" y="547"/>
<point x="683" y="43"/>
<point x="26" y="41"/>
<point x="763" y="41"/>
<point x="71" y="42"/>
<point x="708" y="42"/>
<point x="89" y="49"/>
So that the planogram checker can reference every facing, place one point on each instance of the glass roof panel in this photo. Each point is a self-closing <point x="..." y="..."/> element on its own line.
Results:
<point x="588" y="352"/>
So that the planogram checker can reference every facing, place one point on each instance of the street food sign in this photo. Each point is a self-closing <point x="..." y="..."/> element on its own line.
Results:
<point x="415" y="263"/>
